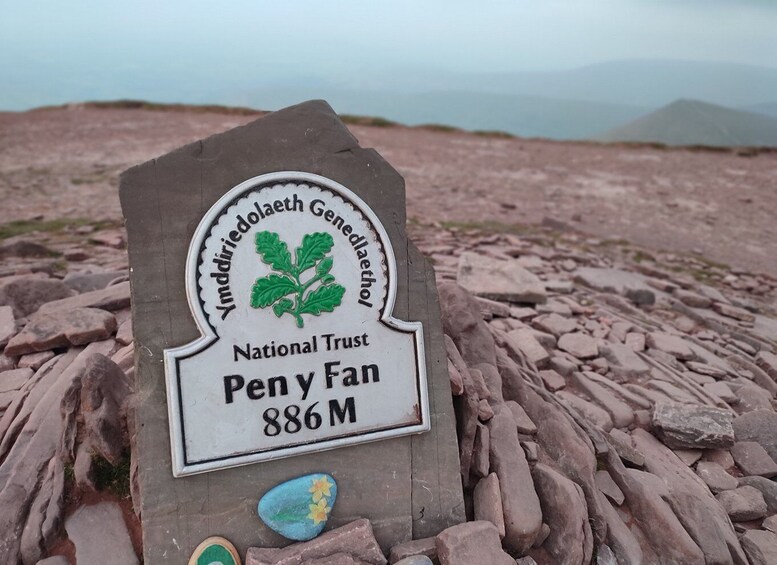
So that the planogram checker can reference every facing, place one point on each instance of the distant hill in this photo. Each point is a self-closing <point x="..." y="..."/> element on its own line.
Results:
<point x="690" y="122"/>
<point x="767" y="109"/>
<point x="525" y="116"/>
<point x="635" y="82"/>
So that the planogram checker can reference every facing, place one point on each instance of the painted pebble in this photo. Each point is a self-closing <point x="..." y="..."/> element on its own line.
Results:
<point x="215" y="551"/>
<point x="298" y="509"/>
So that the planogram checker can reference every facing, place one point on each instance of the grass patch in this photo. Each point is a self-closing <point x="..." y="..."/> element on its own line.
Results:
<point x="22" y="227"/>
<point x="494" y="133"/>
<point x="156" y="106"/>
<point x="442" y="128"/>
<point x="377" y="121"/>
<point x="113" y="478"/>
<point x="640" y="256"/>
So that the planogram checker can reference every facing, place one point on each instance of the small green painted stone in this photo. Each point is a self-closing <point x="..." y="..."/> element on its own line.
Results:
<point x="215" y="551"/>
<point x="298" y="509"/>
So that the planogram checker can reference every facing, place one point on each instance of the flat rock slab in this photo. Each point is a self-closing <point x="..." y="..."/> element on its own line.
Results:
<point x="100" y="535"/>
<point x="82" y="283"/>
<point x="623" y="360"/>
<point x="499" y="279"/>
<point x="628" y="284"/>
<point x="759" y="426"/>
<point x="25" y="294"/>
<point x="671" y="344"/>
<point x="743" y="504"/>
<point x="14" y="379"/>
<point x="751" y="458"/>
<point x="693" y="426"/>
<point x="760" y="547"/>
<point x="579" y="345"/>
<point x="470" y="543"/>
<point x="7" y="324"/>
<point x="62" y="329"/>
<point x="163" y="201"/>
<point x="116" y="297"/>
<point x="355" y="539"/>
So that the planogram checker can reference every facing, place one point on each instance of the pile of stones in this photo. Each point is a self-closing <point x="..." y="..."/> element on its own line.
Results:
<point x="613" y="406"/>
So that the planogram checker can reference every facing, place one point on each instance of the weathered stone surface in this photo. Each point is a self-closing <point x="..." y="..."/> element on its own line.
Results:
<point x="620" y="412"/>
<point x="760" y="546"/>
<point x="571" y="450"/>
<point x="622" y="541"/>
<point x="743" y="503"/>
<point x="664" y="533"/>
<point x="487" y="502"/>
<point x="688" y="456"/>
<point x="522" y="420"/>
<point x="768" y="363"/>
<point x="524" y="341"/>
<point x="124" y="332"/>
<point x="499" y="280"/>
<point x="590" y="411"/>
<point x="608" y="487"/>
<point x="621" y="441"/>
<point x="103" y="392"/>
<point x="481" y="453"/>
<point x="522" y="513"/>
<point x="355" y="539"/>
<point x="424" y="546"/>
<point x="100" y="535"/>
<point x="630" y="285"/>
<point x="56" y="560"/>
<point x="733" y="312"/>
<point x="636" y="341"/>
<point x="700" y="514"/>
<point x="767" y="487"/>
<point x="693" y="426"/>
<point x="421" y="486"/>
<point x="579" y="344"/>
<point x="750" y="397"/>
<point x="25" y="294"/>
<point x="62" y="329"/>
<point x="752" y="459"/>
<point x="415" y="560"/>
<point x="30" y="440"/>
<point x="759" y="426"/>
<point x="671" y="344"/>
<point x="715" y="477"/>
<point x="624" y="362"/>
<point x="89" y="282"/>
<point x="554" y="324"/>
<point x="553" y="381"/>
<point x="116" y="297"/>
<point x="692" y="299"/>
<point x="7" y="324"/>
<point x="14" y="379"/>
<point x="469" y="543"/>
<point x="34" y="361"/>
<point x="564" y="509"/>
<point x="25" y="248"/>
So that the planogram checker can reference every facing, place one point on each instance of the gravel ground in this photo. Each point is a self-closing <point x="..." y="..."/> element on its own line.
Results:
<point x="65" y="163"/>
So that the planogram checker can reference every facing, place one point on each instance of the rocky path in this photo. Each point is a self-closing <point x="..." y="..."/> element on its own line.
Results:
<point x="65" y="163"/>
<point x="613" y="405"/>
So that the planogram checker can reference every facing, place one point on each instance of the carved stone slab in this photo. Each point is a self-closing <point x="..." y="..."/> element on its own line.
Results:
<point x="217" y="420"/>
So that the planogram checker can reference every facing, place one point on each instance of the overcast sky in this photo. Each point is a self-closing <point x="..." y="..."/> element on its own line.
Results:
<point x="53" y="51"/>
<point x="323" y="36"/>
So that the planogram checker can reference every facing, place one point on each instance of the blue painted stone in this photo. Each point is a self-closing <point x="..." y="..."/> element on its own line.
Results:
<point x="298" y="509"/>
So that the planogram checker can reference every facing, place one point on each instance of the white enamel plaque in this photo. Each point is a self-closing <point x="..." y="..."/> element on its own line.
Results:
<point x="291" y="279"/>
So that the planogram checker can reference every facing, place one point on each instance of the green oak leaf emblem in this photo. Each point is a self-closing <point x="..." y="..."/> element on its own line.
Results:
<point x="284" y="290"/>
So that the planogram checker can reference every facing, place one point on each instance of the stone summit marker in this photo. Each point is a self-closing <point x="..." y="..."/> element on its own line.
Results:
<point x="284" y="325"/>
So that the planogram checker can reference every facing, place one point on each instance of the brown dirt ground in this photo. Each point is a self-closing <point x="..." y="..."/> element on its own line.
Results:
<point x="65" y="162"/>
